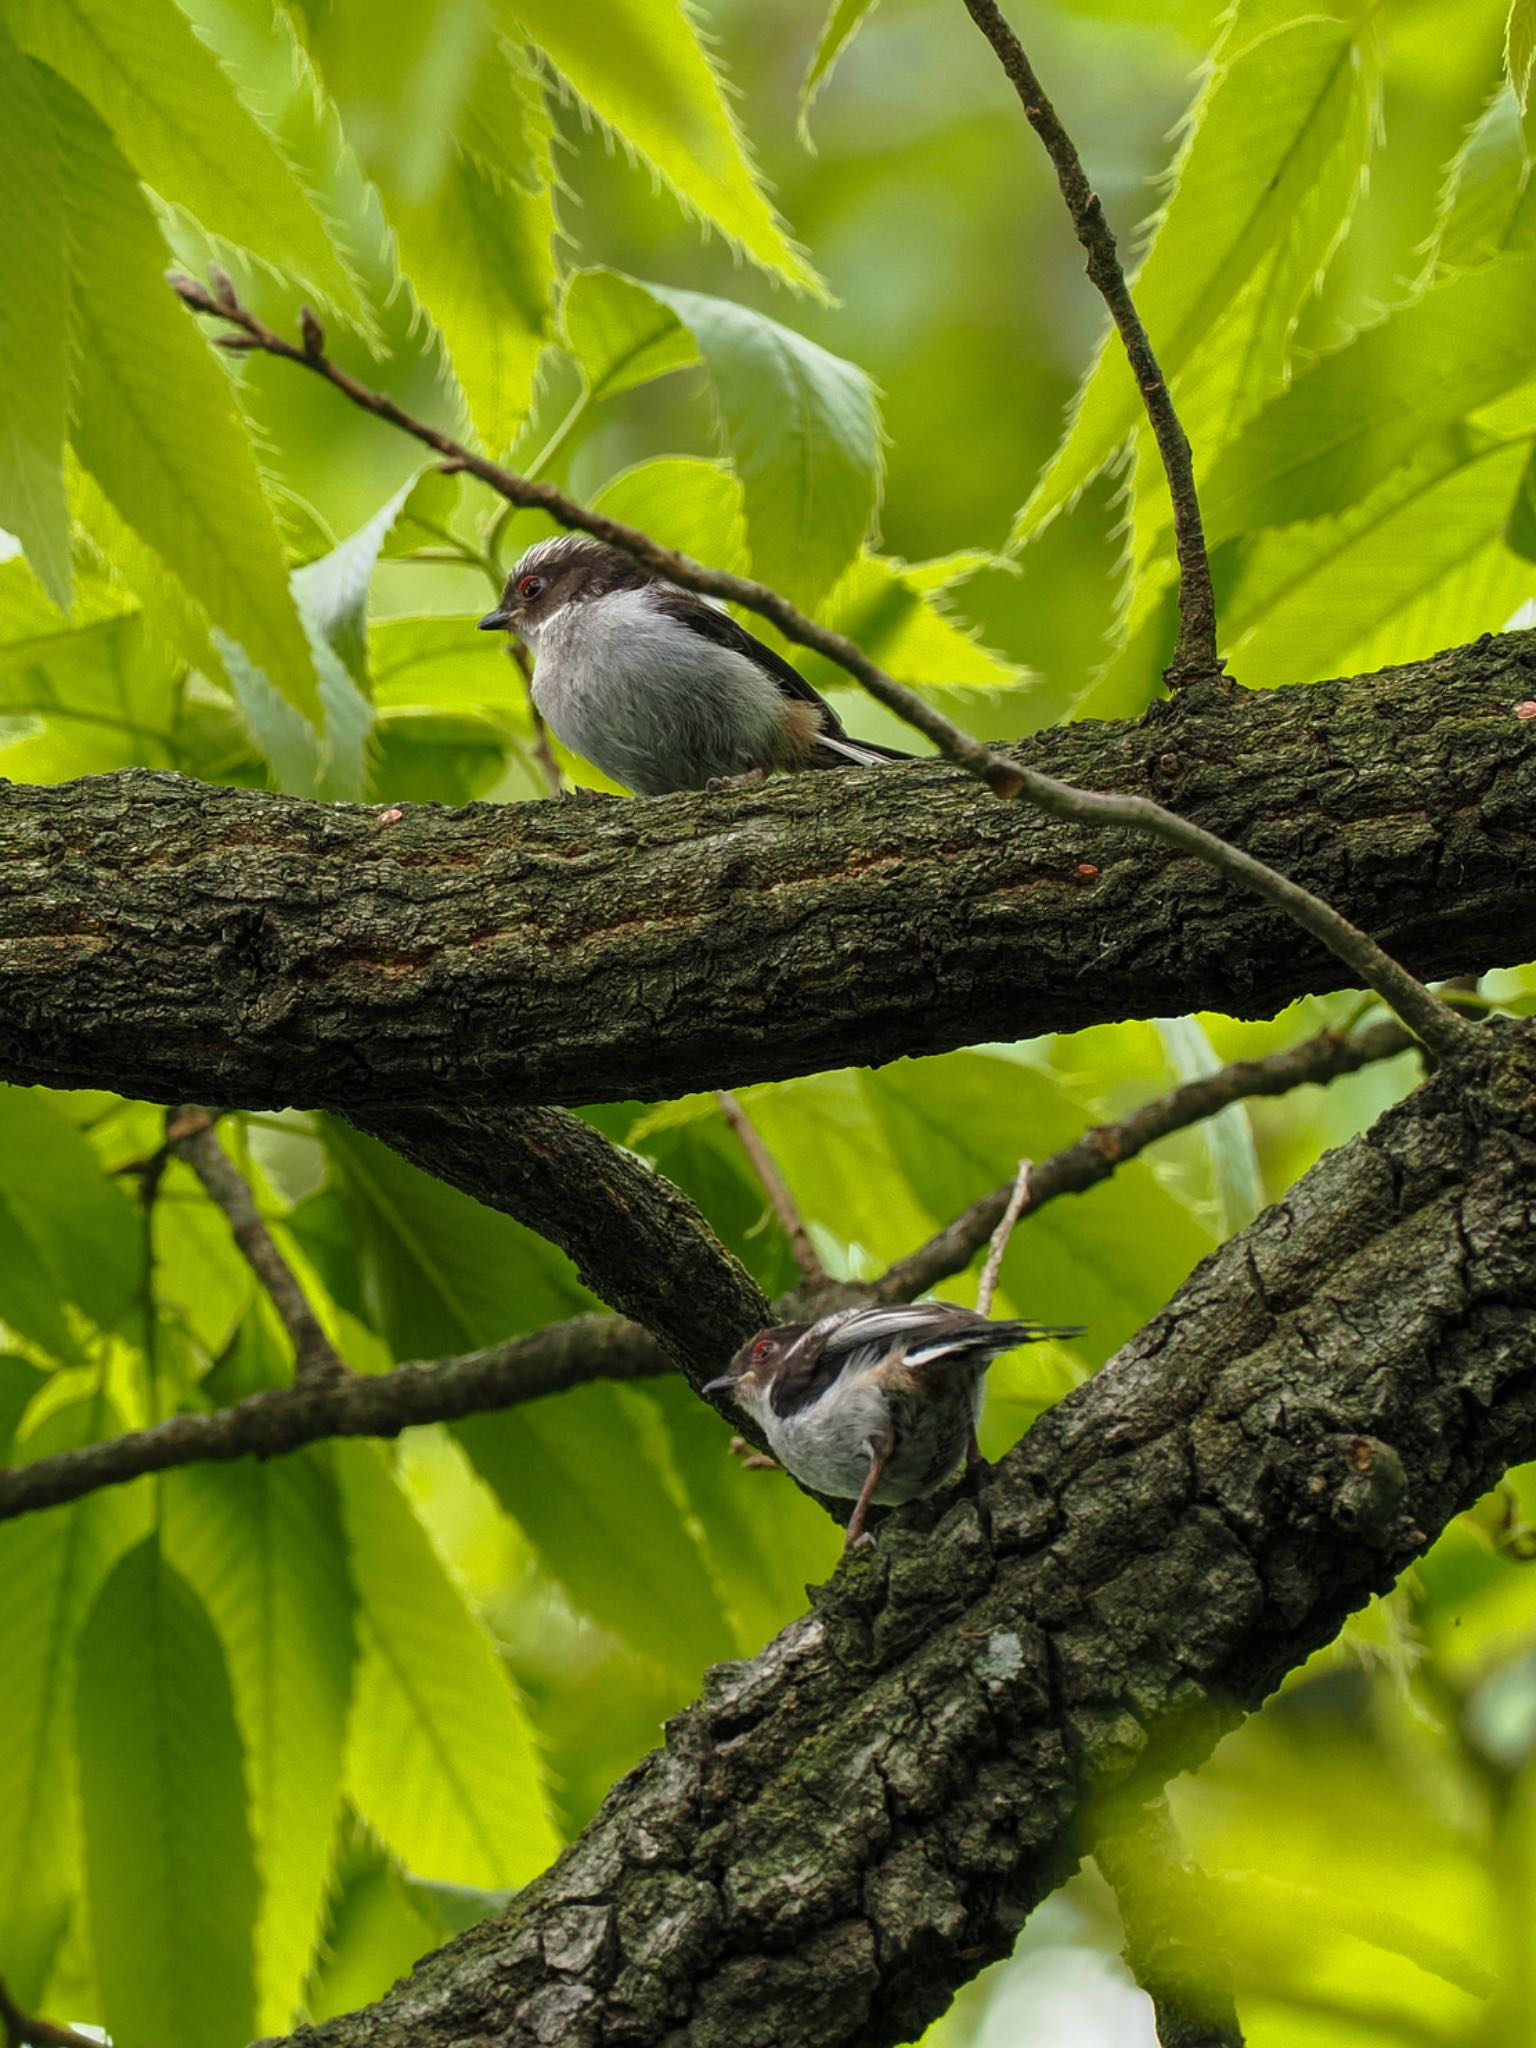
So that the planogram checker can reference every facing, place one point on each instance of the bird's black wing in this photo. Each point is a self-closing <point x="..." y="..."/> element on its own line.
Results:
<point x="710" y="623"/>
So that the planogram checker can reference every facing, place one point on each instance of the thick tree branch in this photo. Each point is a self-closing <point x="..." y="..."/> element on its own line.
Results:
<point x="181" y="942"/>
<point x="1440" y="1030"/>
<point x="1095" y="1155"/>
<point x="191" y="1136"/>
<point x="1195" y="658"/>
<point x="845" y="1829"/>
<point x="609" y="1347"/>
<point x="282" y="1419"/>
<point x="636" y="1240"/>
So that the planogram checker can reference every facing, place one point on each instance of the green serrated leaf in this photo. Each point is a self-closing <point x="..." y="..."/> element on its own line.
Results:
<point x="645" y="72"/>
<point x="1309" y="597"/>
<point x="440" y="1756"/>
<point x="1360" y="411"/>
<point x="895" y="611"/>
<point x="1262" y="134"/>
<point x="34" y="326"/>
<point x="837" y="32"/>
<point x="170" y="1870"/>
<point x="440" y="1273"/>
<point x="1520" y="48"/>
<point x="803" y="431"/>
<point x="54" y="1563"/>
<point x="1520" y="526"/>
<point x="332" y="591"/>
<point x="379" y="1925"/>
<point x="1237" y="1185"/>
<point x="88" y="1233"/>
<point x="592" y="1487"/>
<point x="480" y="258"/>
<point x="263" y="1547"/>
<point x="684" y="503"/>
<point x="1489" y="204"/>
<point x="176" y="114"/>
<point x="156" y="420"/>
<point x="620" y="334"/>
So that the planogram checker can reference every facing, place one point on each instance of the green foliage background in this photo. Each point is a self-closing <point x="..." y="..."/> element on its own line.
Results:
<point x="301" y="1721"/>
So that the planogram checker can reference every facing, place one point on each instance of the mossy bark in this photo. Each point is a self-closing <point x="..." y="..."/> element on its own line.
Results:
<point x="187" y="943"/>
<point x="842" y="1831"/>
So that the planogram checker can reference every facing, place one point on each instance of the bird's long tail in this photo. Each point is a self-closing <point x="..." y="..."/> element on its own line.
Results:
<point x="862" y="753"/>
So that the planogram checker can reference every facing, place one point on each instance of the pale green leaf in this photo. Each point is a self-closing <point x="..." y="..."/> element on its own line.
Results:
<point x="644" y="71"/>
<point x="54" y="1563"/>
<point x="588" y="1477"/>
<point x="896" y="613"/>
<point x="436" y="662"/>
<point x="1520" y="47"/>
<point x="441" y="1758"/>
<point x="1359" y="412"/>
<point x="262" y="1545"/>
<point x="284" y="736"/>
<point x="170" y="1871"/>
<point x="837" y="32"/>
<point x="156" y="420"/>
<point x="34" y="326"/>
<point x="30" y="1289"/>
<point x="440" y="1272"/>
<point x="379" y="1925"/>
<point x="1262" y="135"/>
<point x="88" y="1233"/>
<point x="1226" y="1139"/>
<point x="803" y="431"/>
<point x="20" y="1379"/>
<point x="333" y="590"/>
<point x="1489" y="204"/>
<point x="1310" y="597"/>
<point x="620" y="334"/>
<point x="480" y="258"/>
<point x="1520" y="526"/>
<point x="685" y="503"/>
<point x="437" y="757"/>
<point x="176" y="114"/>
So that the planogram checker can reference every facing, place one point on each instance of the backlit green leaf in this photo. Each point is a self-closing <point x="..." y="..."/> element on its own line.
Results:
<point x="34" y="325"/>
<point x="1489" y="204"/>
<point x="803" y="431"/>
<point x="88" y="1232"/>
<point x="441" y="1759"/>
<point x="1520" y="47"/>
<point x="684" y="503"/>
<point x="620" y="334"/>
<point x="1262" y="135"/>
<point x="1359" y="412"/>
<point x="837" y="32"/>
<point x="263" y="1547"/>
<point x="54" y="1563"/>
<point x="156" y="420"/>
<point x="170" y="1871"/>
<point x="587" y="1477"/>
<point x="177" y="117"/>
<point x="642" y="68"/>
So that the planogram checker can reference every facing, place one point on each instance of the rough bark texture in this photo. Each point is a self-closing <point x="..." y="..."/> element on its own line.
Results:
<point x="845" y="1829"/>
<point x="182" y="942"/>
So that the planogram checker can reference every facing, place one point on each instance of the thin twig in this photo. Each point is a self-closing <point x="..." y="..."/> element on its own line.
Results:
<point x="281" y="1419"/>
<point x="1000" y="1237"/>
<point x="21" y="2030"/>
<point x="191" y="1136"/>
<point x="1195" y="657"/>
<point x="1171" y="1917"/>
<point x="1427" y="1018"/>
<point x="766" y="1167"/>
<point x="1095" y="1155"/>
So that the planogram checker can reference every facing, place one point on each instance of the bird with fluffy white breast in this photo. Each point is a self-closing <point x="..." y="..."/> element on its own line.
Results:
<point x="658" y="686"/>
<point x="874" y="1405"/>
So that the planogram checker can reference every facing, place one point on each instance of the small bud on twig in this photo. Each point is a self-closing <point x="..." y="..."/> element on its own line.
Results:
<point x="235" y="343"/>
<point x="223" y="288"/>
<point x="313" y="333"/>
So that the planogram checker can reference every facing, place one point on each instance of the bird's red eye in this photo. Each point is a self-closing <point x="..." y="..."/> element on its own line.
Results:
<point x="761" y="1349"/>
<point x="529" y="586"/>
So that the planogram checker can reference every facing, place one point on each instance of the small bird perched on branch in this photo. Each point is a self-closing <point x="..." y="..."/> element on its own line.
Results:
<point x="658" y="686"/>
<point x="874" y="1404"/>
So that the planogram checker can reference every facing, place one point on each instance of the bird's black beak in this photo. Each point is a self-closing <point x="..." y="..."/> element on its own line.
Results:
<point x="726" y="1384"/>
<point x="497" y="621"/>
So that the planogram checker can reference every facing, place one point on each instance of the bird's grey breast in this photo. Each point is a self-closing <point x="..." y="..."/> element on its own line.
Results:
<point x="653" y="704"/>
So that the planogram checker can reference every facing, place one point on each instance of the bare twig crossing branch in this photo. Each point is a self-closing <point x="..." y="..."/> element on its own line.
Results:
<point x="777" y="1189"/>
<point x="191" y="1136"/>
